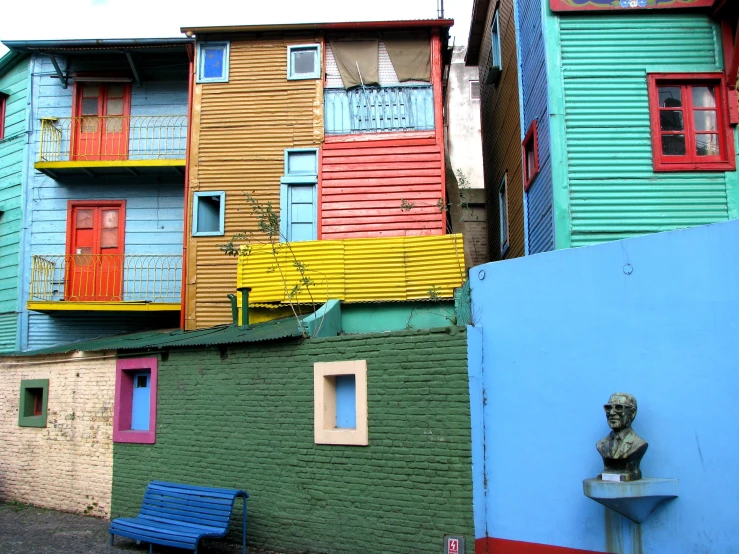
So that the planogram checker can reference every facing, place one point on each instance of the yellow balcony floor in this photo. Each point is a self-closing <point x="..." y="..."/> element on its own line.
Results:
<point x="138" y="306"/>
<point x="122" y="169"/>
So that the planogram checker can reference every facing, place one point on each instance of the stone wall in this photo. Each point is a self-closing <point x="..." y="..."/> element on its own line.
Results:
<point x="68" y="464"/>
<point x="242" y="417"/>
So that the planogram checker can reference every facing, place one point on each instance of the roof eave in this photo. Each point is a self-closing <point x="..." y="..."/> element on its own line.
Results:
<point x="332" y="26"/>
<point x="477" y="31"/>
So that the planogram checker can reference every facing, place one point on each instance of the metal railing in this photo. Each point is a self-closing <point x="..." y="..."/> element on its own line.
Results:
<point x="373" y="109"/>
<point x="145" y="137"/>
<point x="106" y="278"/>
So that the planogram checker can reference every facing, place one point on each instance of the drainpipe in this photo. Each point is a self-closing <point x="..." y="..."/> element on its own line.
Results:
<point x="234" y="309"/>
<point x="186" y="204"/>
<point x="244" y="306"/>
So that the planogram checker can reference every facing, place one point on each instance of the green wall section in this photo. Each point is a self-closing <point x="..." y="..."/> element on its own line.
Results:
<point x="244" y="419"/>
<point x="13" y="83"/>
<point x="604" y="185"/>
<point x="376" y="317"/>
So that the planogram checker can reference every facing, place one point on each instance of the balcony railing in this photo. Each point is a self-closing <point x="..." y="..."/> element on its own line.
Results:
<point x="106" y="278"/>
<point x="373" y="109"/>
<point x="113" y="138"/>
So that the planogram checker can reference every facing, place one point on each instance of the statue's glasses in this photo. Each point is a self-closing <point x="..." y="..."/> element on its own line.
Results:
<point x="618" y="408"/>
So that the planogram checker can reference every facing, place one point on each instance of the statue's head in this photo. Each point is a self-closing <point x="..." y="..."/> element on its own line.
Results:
<point x="620" y="410"/>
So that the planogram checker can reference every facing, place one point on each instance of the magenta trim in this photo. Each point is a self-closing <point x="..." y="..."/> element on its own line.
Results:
<point x="124" y="370"/>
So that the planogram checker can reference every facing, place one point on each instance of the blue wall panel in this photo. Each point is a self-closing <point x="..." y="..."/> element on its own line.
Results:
<point x="635" y="315"/>
<point x="534" y="86"/>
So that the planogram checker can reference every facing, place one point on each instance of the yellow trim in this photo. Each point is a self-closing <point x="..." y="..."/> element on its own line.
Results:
<point x="103" y="306"/>
<point x="92" y="164"/>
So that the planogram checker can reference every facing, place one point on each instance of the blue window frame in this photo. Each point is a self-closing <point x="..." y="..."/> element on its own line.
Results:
<point x="298" y="195"/>
<point x="213" y="62"/>
<point x="208" y="214"/>
<point x="304" y="61"/>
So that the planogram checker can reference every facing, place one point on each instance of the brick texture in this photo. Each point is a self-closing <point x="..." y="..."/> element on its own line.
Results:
<point x="243" y="418"/>
<point x="68" y="464"/>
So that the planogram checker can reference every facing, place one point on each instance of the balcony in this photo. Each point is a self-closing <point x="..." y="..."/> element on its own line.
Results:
<point x="379" y="109"/>
<point x="91" y="147"/>
<point x="354" y="270"/>
<point x="117" y="283"/>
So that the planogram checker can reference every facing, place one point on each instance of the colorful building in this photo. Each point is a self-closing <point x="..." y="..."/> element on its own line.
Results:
<point x="103" y="186"/>
<point x="14" y="77"/>
<point x="628" y="115"/>
<point x="337" y="128"/>
<point x="492" y="48"/>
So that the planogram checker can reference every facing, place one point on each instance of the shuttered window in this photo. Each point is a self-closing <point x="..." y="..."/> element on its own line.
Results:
<point x="298" y="196"/>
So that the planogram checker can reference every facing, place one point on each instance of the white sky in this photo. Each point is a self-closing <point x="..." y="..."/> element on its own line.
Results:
<point x="78" y="19"/>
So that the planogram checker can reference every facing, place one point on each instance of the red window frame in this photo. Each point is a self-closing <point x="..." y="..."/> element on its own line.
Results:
<point x="691" y="161"/>
<point x="530" y="144"/>
<point x="3" y="103"/>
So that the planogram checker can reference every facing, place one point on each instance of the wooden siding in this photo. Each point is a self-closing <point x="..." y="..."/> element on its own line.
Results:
<point x="534" y="86"/>
<point x="614" y="192"/>
<point x="14" y="84"/>
<point x="381" y="188"/>
<point x="154" y="211"/>
<point x="501" y="134"/>
<point x="240" y="131"/>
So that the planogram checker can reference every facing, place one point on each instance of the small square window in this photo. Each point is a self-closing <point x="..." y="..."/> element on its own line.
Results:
<point x="304" y="61"/>
<point x="213" y="62"/>
<point x="503" y="214"/>
<point x="530" y="147"/>
<point x="33" y="402"/>
<point x="474" y="90"/>
<point x="340" y="403"/>
<point x="690" y="123"/>
<point x="208" y="214"/>
<point x="135" y="413"/>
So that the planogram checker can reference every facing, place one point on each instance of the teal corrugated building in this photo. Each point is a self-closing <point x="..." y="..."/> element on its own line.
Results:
<point x="629" y="114"/>
<point x="14" y="77"/>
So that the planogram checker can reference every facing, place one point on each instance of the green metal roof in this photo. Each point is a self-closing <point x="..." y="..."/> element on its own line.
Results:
<point x="154" y="340"/>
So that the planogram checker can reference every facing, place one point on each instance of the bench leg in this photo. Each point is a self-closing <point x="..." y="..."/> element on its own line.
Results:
<point x="112" y="536"/>
<point x="151" y="548"/>
<point x="243" y="534"/>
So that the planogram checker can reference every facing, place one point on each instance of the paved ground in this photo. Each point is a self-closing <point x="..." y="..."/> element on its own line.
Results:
<point x="29" y="530"/>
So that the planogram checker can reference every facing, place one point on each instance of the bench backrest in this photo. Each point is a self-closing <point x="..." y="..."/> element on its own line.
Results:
<point x="207" y="506"/>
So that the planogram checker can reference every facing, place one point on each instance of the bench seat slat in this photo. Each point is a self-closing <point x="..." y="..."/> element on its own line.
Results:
<point x="180" y="515"/>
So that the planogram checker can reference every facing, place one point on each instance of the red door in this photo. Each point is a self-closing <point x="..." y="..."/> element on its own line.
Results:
<point x="95" y="252"/>
<point x="100" y="129"/>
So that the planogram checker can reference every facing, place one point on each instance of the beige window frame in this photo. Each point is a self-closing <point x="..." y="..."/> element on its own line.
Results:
<point x="324" y="396"/>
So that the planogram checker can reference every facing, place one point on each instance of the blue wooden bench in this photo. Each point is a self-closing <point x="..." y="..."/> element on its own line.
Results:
<point x="180" y="515"/>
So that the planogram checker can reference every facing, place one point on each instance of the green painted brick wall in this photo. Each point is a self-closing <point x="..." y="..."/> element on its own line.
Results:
<point x="246" y="421"/>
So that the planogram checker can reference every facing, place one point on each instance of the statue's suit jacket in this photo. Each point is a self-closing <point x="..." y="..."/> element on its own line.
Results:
<point x="630" y="442"/>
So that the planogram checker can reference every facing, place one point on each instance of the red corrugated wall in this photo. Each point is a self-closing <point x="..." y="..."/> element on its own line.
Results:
<point x="381" y="188"/>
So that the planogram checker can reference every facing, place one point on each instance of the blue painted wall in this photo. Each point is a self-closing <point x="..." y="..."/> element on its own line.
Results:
<point x="656" y="316"/>
<point x="534" y="87"/>
<point x="154" y="210"/>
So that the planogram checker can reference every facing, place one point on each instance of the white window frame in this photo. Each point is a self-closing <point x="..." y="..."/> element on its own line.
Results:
<point x="291" y="75"/>
<point x="222" y="213"/>
<point x="503" y="215"/>
<point x="200" y="65"/>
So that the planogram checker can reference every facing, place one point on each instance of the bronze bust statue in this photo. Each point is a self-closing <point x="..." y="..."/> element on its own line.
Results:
<point x="622" y="449"/>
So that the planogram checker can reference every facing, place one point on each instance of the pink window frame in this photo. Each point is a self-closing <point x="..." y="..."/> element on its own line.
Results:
<point x="124" y="372"/>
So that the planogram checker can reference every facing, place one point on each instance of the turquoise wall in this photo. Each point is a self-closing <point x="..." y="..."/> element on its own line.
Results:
<point x="14" y="84"/>
<point x="605" y="187"/>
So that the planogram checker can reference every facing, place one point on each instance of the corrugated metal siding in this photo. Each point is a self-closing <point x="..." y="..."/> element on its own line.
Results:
<point x="535" y="100"/>
<point x="614" y="192"/>
<point x="14" y="84"/>
<point x="501" y="134"/>
<point x="240" y="132"/>
<point x="8" y="328"/>
<point x="364" y="185"/>
<point x="46" y="331"/>
<point x="358" y="270"/>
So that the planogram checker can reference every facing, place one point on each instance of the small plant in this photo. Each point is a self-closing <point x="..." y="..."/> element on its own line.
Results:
<point x="434" y="293"/>
<point x="406" y="206"/>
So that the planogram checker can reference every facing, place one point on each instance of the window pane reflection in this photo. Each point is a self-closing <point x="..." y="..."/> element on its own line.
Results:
<point x="673" y="145"/>
<point x="671" y="120"/>
<point x="670" y="97"/>
<point x="707" y="145"/>
<point x="704" y="97"/>
<point x="705" y="120"/>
